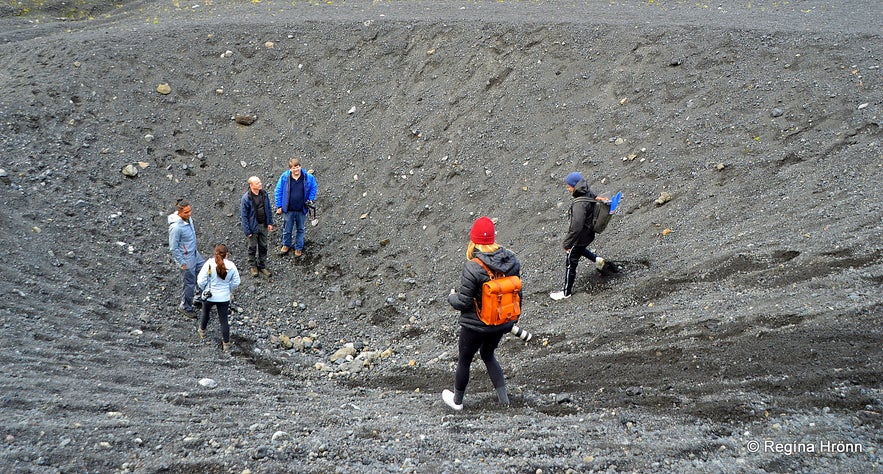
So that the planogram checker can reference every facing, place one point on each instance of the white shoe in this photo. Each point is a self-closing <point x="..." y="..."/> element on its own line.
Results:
<point x="558" y="295"/>
<point x="599" y="262"/>
<point x="448" y="397"/>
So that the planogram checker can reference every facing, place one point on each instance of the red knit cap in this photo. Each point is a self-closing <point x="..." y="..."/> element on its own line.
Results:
<point x="483" y="232"/>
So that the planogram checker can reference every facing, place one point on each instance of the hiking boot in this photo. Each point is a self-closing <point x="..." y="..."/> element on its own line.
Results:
<point x="265" y="272"/>
<point x="298" y="253"/>
<point x="201" y="333"/>
<point x="558" y="295"/>
<point x="225" y="346"/>
<point x="599" y="262"/>
<point x="190" y="313"/>
<point x="448" y="397"/>
<point x="284" y="250"/>
<point x="254" y="271"/>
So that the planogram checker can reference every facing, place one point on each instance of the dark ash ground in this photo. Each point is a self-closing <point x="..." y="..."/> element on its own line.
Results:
<point x="748" y="310"/>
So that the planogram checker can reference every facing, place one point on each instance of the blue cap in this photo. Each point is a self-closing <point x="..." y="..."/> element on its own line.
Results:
<point x="573" y="178"/>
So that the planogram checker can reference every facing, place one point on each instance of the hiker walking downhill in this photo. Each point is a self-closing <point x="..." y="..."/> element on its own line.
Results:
<point x="295" y="193"/>
<point x="581" y="232"/>
<point x="182" y="245"/>
<point x="219" y="277"/>
<point x="475" y="335"/>
<point x="256" y="218"/>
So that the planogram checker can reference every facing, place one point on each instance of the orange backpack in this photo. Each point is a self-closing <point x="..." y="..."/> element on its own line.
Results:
<point x="500" y="298"/>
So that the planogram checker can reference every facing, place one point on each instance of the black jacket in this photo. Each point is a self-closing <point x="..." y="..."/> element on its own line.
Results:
<point x="502" y="260"/>
<point x="582" y="217"/>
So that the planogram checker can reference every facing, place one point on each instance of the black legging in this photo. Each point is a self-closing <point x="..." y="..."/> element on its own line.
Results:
<point x="223" y="317"/>
<point x="573" y="257"/>
<point x="470" y="343"/>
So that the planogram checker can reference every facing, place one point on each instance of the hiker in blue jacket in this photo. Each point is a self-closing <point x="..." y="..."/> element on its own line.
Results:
<point x="182" y="245"/>
<point x="295" y="193"/>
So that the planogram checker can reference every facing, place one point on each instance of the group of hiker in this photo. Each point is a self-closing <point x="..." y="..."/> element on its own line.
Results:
<point x="211" y="283"/>
<point x="486" y="262"/>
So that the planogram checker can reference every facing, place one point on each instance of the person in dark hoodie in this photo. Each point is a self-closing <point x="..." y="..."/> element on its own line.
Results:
<point x="476" y="336"/>
<point x="580" y="234"/>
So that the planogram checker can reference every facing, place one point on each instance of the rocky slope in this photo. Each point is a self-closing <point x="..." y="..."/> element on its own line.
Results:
<point x="743" y="333"/>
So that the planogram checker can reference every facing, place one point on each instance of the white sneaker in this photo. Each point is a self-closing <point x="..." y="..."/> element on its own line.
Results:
<point x="448" y="397"/>
<point x="558" y="295"/>
<point x="599" y="262"/>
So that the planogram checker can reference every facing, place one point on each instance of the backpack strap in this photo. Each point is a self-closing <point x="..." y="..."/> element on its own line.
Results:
<point x="490" y="273"/>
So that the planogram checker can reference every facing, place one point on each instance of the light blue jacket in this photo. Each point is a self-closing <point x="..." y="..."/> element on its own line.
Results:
<point x="182" y="241"/>
<point x="208" y="279"/>
<point x="283" y="190"/>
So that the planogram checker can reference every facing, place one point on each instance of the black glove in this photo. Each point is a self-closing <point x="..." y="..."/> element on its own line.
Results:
<point x="311" y="208"/>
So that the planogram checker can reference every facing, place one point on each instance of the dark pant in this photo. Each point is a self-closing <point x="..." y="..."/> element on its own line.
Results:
<point x="188" y="277"/>
<point x="257" y="248"/>
<point x="223" y="317"/>
<point x="572" y="261"/>
<point x="485" y="343"/>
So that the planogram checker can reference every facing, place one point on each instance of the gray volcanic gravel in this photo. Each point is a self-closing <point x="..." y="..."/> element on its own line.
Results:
<point x="742" y="334"/>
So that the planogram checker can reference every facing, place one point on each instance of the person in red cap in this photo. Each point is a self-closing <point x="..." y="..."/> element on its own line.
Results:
<point x="476" y="336"/>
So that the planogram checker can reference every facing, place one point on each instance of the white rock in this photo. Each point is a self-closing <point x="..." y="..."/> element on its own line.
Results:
<point x="208" y="383"/>
<point x="281" y="436"/>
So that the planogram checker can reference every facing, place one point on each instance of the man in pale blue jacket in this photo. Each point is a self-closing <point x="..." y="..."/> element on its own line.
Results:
<point x="182" y="245"/>
<point x="295" y="192"/>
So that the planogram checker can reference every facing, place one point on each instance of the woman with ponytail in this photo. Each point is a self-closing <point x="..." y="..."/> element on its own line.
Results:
<point x="218" y="277"/>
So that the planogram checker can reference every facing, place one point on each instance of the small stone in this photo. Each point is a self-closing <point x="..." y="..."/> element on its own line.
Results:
<point x="777" y="112"/>
<point x="269" y="45"/>
<point x="352" y="110"/>
<point x="130" y="171"/>
<point x="164" y="89"/>
<point x="281" y="436"/>
<point x="663" y="198"/>
<point x="343" y="353"/>
<point x="208" y="383"/>
<point x="243" y="119"/>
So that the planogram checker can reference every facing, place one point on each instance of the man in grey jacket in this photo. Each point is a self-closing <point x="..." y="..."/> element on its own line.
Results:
<point x="182" y="245"/>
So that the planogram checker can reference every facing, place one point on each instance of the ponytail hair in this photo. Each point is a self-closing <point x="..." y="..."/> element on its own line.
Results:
<point x="220" y="255"/>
